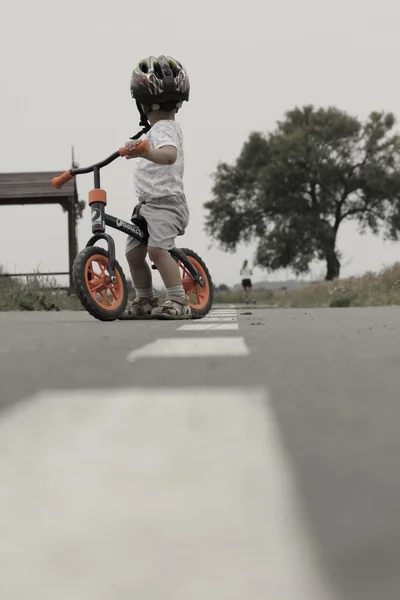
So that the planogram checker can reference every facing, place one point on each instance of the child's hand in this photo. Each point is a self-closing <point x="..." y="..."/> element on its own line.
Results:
<point x="131" y="145"/>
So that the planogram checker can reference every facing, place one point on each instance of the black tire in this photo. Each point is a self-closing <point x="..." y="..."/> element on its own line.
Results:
<point x="83" y="293"/>
<point x="202" y="312"/>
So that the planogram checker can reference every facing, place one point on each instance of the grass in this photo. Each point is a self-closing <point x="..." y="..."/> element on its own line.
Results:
<point x="35" y="293"/>
<point x="370" y="289"/>
<point x="237" y="297"/>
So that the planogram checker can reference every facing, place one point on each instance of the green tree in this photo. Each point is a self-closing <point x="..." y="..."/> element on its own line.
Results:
<point x="293" y="188"/>
<point x="222" y="287"/>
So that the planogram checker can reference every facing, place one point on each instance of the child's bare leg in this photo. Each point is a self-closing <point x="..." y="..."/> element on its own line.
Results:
<point x="167" y="267"/>
<point x="176" y="304"/>
<point x="145" y="300"/>
<point x="139" y="268"/>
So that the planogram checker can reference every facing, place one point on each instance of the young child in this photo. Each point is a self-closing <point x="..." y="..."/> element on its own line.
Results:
<point x="159" y="86"/>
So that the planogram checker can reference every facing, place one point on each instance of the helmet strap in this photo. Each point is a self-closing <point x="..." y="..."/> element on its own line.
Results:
<point x="139" y="134"/>
<point x="144" y="120"/>
<point x="143" y="123"/>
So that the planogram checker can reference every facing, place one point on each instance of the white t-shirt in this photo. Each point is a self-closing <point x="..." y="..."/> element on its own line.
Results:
<point x="155" y="181"/>
<point x="246" y="273"/>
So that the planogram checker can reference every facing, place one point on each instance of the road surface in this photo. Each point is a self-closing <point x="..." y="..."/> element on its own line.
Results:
<point x="251" y="455"/>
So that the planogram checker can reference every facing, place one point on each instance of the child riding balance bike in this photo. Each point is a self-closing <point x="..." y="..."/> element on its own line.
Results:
<point x="159" y="86"/>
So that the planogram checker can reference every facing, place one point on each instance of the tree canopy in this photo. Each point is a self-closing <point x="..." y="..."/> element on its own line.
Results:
<point x="292" y="189"/>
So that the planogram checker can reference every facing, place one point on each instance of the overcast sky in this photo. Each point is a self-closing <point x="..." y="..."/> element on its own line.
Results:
<point x="65" y="73"/>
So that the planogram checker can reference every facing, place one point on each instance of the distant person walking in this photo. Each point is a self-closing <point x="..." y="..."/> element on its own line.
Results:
<point x="246" y="274"/>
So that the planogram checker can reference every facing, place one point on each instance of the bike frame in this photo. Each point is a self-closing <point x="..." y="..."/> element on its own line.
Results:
<point x="101" y="220"/>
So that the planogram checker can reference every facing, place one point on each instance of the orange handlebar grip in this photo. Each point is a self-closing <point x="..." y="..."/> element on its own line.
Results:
<point x="143" y="146"/>
<point x="59" y="181"/>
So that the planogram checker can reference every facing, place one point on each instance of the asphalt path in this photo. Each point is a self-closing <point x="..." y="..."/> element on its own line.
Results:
<point x="295" y="412"/>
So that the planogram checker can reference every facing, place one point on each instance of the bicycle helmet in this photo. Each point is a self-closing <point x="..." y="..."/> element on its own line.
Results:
<point x="160" y="82"/>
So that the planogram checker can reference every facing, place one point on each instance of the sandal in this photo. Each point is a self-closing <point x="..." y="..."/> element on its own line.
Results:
<point x="141" y="308"/>
<point x="173" y="308"/>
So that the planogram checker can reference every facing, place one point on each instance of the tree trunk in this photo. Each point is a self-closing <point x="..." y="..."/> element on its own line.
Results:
<point x="332" y="265"/>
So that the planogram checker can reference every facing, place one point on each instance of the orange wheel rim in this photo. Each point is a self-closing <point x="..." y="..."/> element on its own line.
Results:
<point x="198" y="296"/>
<point x="106" y="294"/>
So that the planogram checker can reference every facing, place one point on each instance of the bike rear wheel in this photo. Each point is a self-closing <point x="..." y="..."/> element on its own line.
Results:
<point x="200" y="298"/>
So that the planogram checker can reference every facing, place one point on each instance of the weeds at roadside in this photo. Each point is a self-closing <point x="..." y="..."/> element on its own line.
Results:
<point x="34" y="293"/>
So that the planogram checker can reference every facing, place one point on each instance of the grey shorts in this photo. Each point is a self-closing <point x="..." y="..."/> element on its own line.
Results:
<point x="166" y="218"/>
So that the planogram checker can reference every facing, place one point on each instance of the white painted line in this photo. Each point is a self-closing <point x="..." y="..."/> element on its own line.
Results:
<point x="216" y="316"/>
<point x="141" y="493"/>
<point x="191" y="347"/>
<point x="199" y="326"/>
<point x="219" y="319"/>
<point x="224" y="314"/>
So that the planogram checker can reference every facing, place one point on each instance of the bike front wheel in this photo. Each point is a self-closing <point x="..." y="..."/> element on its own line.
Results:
<point x="100" y="297"/>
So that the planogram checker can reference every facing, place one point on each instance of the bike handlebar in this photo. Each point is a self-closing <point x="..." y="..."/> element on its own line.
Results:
<point x="143" y="146"/>
<point x="61" y="180"/>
